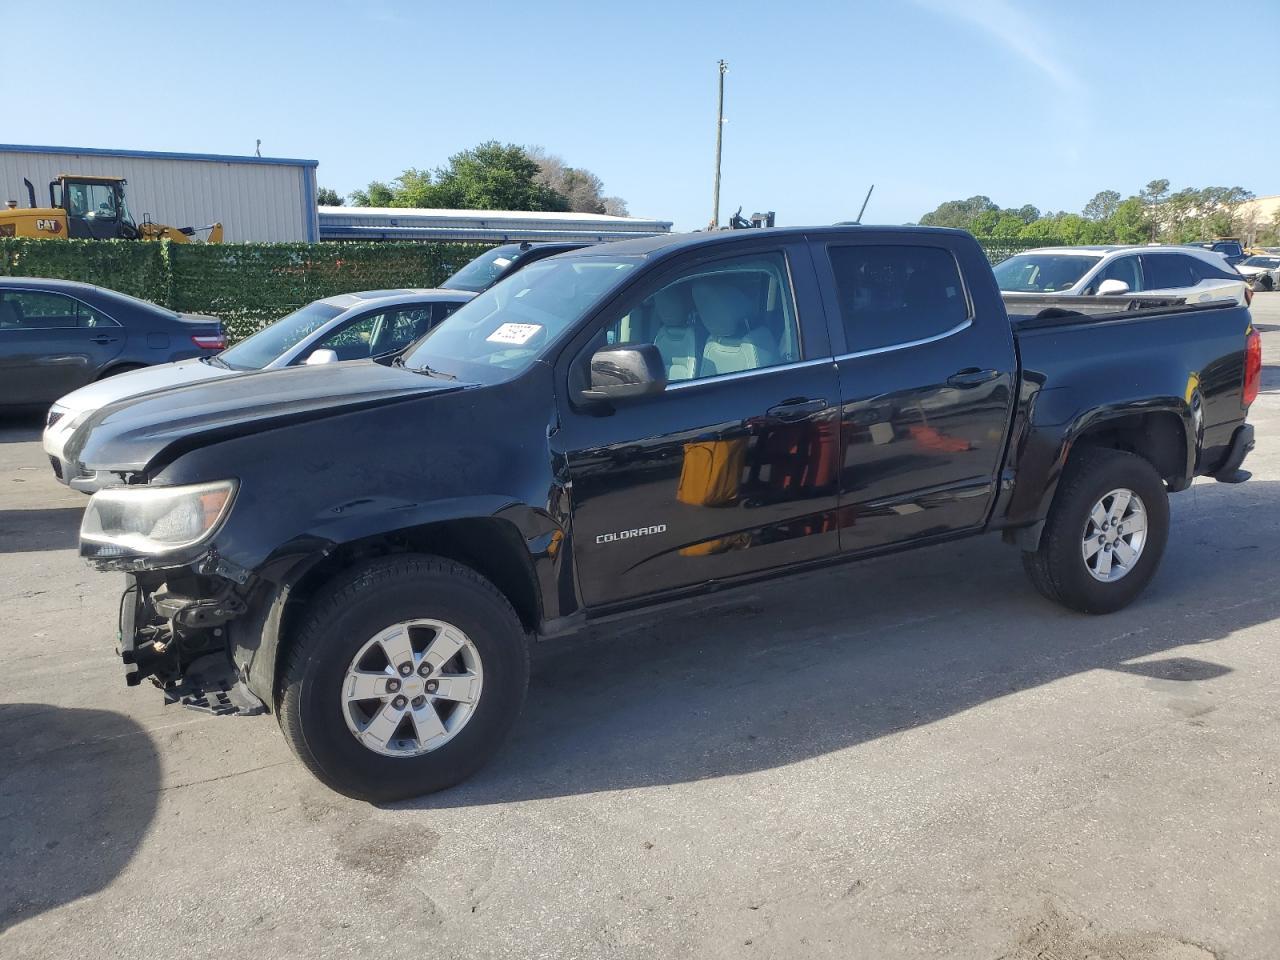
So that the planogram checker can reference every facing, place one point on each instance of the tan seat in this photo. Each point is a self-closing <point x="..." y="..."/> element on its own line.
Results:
<point x="735" y="342"/>
<point x="677" y="337"/>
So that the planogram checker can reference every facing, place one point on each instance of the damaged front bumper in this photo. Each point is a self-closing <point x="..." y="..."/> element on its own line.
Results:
<point x="173" y="631"/>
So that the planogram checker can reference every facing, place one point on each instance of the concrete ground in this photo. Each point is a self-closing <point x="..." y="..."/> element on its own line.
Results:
<point x="916" y="757"/>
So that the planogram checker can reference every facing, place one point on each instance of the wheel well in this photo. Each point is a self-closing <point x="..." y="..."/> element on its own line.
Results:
<point x="1159" y="438"/>
<point x="493" y="548"/>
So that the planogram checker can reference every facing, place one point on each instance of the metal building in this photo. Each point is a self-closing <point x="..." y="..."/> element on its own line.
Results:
<point x="256" y="199"/>
<point x="403" y="223"/>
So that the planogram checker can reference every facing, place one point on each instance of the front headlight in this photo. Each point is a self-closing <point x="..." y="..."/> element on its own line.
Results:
<point x="142" y="520"/>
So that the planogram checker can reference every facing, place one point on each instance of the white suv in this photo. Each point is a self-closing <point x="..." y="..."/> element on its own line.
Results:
<point x="1193" y="273"/>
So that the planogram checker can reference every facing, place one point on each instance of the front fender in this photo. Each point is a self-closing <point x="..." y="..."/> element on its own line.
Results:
<point x="255" y="639"/>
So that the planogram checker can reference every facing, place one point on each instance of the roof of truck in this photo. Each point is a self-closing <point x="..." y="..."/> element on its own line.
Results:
<point x="670" y="242"/>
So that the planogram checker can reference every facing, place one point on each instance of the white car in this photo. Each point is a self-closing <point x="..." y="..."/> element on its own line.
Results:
<point x="1262" y="270"/>
<point x="351" y="326"/>
<point x="1198" y="275"/>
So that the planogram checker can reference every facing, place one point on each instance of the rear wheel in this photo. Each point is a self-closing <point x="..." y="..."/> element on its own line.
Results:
<point x="404" y="679"/>
<point x="1105" y="533"/>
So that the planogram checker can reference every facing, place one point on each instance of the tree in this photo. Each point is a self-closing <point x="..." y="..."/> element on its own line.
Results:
<point x="325" y="197"/>
<point x="377" y="194"/>
<point x="494" y="176"/>
<point x="1026" y="213"/>
<point x="1130" y="222"/>
<point x="958" y="213"/>
<point x="581" y="188"/>
<point x="1154" y="213"/>
<point x="1103" y="205"/>
<point x="491" y="176"/>
<point x="1154" y="193"/>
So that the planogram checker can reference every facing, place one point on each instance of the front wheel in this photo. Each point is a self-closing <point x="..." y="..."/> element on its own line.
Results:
<point x="405" y="678"/>
<point x="1105" y="533"/>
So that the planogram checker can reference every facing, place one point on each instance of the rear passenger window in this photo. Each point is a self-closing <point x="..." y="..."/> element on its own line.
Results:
<point x="1165" y="271"/>
<point x="1204" y="270"/>
<point x="891" y="295"/>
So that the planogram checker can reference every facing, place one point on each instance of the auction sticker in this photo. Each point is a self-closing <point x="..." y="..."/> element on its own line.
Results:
<point x="514" y="333"/>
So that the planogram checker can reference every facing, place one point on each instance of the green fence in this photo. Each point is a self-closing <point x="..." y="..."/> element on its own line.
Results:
<point x="245" y="284"/>
<point x="1001" y="248"/>
<point x="251" y="284"/>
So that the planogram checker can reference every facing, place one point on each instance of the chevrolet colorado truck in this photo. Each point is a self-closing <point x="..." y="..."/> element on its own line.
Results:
<point x="367" y="549"/>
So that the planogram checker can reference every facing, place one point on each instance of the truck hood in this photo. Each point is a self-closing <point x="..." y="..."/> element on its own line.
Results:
<point x="134" y="432"/>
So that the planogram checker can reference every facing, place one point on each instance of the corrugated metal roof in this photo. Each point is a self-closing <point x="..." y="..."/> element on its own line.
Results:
<point x="406" y="223"/>
<point x="153" y="154"/>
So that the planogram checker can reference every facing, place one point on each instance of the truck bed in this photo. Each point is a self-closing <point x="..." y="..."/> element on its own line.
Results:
<point x="1024" y="308"/>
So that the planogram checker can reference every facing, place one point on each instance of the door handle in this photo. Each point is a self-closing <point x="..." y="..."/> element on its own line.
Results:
<point x="796" y="409"/>
<point x="971" y="377"/>
<point x="102" y="338"/>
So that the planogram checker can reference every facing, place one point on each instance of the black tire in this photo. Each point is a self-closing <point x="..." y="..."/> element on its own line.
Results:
<point x="347" y="613"/>
<point x="1058" y="568"/>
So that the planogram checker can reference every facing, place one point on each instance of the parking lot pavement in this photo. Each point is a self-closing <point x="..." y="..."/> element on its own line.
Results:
<point x="913" y="757"/>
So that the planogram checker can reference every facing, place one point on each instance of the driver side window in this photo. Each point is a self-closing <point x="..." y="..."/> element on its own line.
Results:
<point x="730" y="316"/>
<point x="1124" y="269"/>
<point x="351" y="342"/>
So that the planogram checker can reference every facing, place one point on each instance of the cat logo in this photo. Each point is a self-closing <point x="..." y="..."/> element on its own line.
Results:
<point x="49" y="226"/>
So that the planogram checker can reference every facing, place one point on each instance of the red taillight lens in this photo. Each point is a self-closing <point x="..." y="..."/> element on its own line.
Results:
<point x="1252" y="367"/>
<point x="215" y="341"/>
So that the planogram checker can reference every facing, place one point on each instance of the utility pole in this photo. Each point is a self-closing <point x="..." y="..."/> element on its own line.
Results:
<point x="715" y="194"/>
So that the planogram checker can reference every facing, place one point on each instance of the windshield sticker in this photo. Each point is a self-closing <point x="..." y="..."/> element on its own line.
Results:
<point x="514" y="333"/>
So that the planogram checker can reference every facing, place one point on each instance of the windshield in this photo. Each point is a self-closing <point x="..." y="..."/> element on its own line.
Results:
<point x="1042" y="272"/>
<point x="255" y="352"/>
<point x="502" y="331"/>
<point x="481" y="272"/>
<point x="1262" y="262"/>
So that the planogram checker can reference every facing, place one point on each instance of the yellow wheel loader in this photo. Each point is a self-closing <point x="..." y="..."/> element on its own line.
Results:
<point x="90" y="208"/>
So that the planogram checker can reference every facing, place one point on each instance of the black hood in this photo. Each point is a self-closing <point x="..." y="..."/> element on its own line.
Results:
<point x="133" y="433"/>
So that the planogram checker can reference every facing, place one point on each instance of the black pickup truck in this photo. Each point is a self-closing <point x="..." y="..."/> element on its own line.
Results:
<point x="366" y="549"/>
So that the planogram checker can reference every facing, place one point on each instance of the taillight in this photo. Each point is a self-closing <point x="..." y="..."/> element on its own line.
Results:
<point x="1252" y="367"/>
<point x="211" y="341"/>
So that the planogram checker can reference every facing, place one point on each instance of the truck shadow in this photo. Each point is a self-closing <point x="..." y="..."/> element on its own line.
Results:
<point x="78" y="791"/>
<point x="861" y="652"/>
<point x="30" y="531"/>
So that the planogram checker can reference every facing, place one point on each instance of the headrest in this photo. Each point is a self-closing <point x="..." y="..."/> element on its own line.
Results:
<point x="670" y="308"/>
<point x="722" y="307"/>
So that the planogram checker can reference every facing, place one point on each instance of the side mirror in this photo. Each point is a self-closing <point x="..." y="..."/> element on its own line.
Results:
<point x="321" y="356"/>
<point x="1109" y="288"/>
<point x="623" y="372"/>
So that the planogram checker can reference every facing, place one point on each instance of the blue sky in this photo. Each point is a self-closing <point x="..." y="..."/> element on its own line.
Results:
<point x="931" y="100"/>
